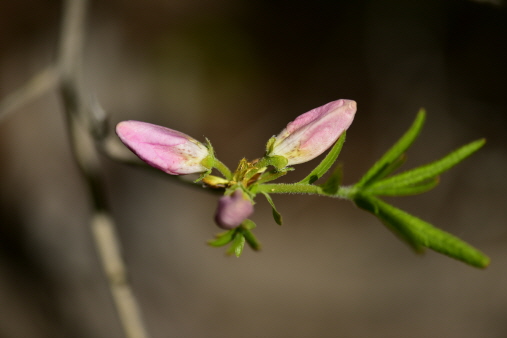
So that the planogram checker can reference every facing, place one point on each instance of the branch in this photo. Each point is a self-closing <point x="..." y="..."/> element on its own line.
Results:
<point x="86" y="125"/>
<point x="38" y="85"/>
<point x="81" y="118"/>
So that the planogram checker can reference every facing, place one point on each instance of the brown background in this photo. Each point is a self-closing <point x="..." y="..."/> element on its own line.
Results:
<point x="237" y="72"/>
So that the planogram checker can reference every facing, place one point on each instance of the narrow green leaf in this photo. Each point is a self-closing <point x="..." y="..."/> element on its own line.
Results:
<point x="276" y="214"/>
<point x="391" y="167"/>
<point x="237" y="245"/>
<point x="332" y="184"/>
<point x="400" y="229"/>
<point x="326" y="163"/>
<point x="429" y="171"/>
<point x="222" y="239"/>
<point x="415" y="189"/>
<point x="393" y="154"/>
<point x="427" y="235"/>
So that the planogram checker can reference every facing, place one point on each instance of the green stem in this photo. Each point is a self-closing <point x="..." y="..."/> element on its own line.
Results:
<point x="283" y="188"/>
<point x="298" y="188"/>
<point x="223" y="169"/>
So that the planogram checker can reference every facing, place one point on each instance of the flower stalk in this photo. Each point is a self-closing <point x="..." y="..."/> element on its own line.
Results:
<point x="305" y="138"/>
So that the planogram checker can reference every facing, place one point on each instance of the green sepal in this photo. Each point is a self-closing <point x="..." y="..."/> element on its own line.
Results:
<point x="383" y="166"/>
<point x="326" y="163"/>
<point x="222" y="238"/>
<point x="238" y="243"/>
<point x="203" y="176"/>
<point x="276" y="214"/>
<point x="250" y="238"/>
<point x="332" y="185"/>
<point x="269" y="145"/>
<point x="208" y="162"/>
<point x="422" y="234"/>
<point x="279" y="162"/>
<point x="211" y="162"/>
<point x="248" y="224"/>
<point x="428" y="171"/>
<point x="238" y="236"/>
<point x="272" y="175"/>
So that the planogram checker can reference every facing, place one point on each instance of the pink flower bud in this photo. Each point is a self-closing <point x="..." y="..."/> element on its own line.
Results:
<point x="310" y="134"/>
<point x="163" y="148"/>
<point x="232" y="210"/>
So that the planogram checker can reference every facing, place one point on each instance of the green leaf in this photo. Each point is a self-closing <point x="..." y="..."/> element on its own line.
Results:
<point x="332" y="184"/>
<point x="237" y="245"/>
<point x="424" y="234"/>
<point x="391" y="167"/>
<point x="400" y="229"/>
<point x="429" y="171"/>
<point x="415" y="189"/>
<point x="222" y="239"/>
<point x="326" y="163"/>
<point x="276" y="214"/>
<point x="269" y="145"/>
<point x="389" y="161"/>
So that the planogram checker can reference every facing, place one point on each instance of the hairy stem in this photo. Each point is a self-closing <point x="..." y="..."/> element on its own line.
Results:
<point x="222" y="168"/>
<point x="302" y="188"/>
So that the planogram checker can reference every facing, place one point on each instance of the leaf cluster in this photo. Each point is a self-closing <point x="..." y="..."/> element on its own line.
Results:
<point x="419" y="234"/>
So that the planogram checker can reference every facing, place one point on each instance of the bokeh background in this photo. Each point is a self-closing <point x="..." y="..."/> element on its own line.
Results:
<point x="236" y="72"/>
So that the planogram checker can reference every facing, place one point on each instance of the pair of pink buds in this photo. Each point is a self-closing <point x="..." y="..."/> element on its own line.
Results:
<point x="175" y="153"/>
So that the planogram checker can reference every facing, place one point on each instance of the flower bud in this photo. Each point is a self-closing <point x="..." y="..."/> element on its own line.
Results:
<point x="312" y="133"/>
<point x="232" y="210"/>
<point x="163" y="148"/>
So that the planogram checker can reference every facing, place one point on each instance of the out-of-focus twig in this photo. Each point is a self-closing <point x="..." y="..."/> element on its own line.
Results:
<point x="38" y="85"/>
<point x="85" y="125"/>
<point x="81" y="120"/>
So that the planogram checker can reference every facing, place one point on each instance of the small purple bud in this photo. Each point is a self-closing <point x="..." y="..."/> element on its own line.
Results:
<point x="163" y="148"/>
<point x="232" y="210"/>
<point x="312" y="133"/>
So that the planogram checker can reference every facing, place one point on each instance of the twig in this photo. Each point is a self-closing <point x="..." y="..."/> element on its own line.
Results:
<point x="85" y="125"/>
<point x="78" y="112"/>
<point x="108" y="247"/>
<point x="33" y="88"/>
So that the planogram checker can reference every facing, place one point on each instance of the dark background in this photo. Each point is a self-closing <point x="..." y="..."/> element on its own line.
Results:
<point x="236" y="72"/>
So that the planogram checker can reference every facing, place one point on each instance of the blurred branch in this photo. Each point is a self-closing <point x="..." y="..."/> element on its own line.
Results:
<point x="81" y="119"/>
<point x="33" y="88"/>
<point x="86" y="126"/>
